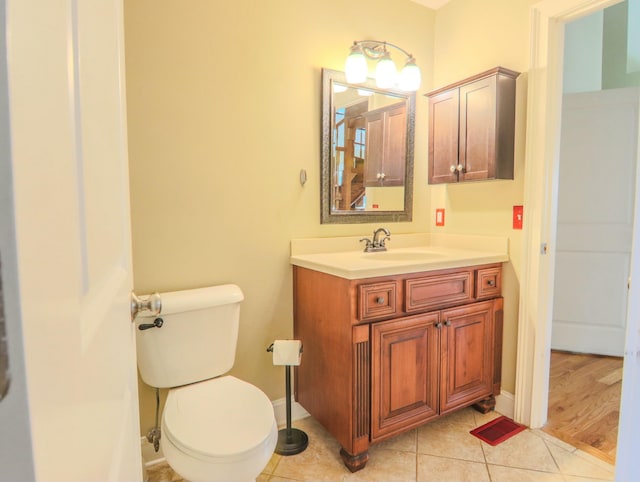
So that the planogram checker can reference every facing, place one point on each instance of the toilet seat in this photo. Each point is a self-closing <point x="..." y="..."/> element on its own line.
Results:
<point x="219" y="420"/>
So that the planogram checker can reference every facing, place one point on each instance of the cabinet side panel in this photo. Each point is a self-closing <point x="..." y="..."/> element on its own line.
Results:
<point x="505" y="132"/>
<point x="324" y="377"/>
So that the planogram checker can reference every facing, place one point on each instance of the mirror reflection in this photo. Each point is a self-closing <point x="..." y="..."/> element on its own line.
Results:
<point x="367" y="163"/>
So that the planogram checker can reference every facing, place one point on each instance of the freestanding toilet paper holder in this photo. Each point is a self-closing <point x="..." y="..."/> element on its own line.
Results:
<point x="291" y="441"/>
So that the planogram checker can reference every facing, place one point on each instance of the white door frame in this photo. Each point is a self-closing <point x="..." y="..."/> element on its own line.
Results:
<point x="541" y="194"/>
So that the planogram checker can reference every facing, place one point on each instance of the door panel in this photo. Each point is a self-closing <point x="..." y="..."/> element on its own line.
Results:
<point x="467" y="355"/>
<point x="69" y="159"/>
<point x="595" y="220"/>
<point x="478" y="129"/>
<point x="404" y="374"/>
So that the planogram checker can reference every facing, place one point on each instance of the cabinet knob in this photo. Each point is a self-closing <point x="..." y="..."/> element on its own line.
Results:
<point x="452" y="168"/>
<point x="438" y="325"/>
<point x="491" y="282"/>
<point x="447" y="323"/>
<point x="380" y="300"/>
<point x="382" y="175"/>
<point x="459" y="168"/>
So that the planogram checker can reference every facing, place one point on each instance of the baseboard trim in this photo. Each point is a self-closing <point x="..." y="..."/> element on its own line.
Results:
<point x="150" y="457"/>
<point x="280" y="411"/>
<point x="505" y="403"/>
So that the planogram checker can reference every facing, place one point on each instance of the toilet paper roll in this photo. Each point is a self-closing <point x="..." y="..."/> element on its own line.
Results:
<point x="287" y="352"/>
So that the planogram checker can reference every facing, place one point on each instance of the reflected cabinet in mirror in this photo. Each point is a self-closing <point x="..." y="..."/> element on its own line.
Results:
<point x="367" y="152"/>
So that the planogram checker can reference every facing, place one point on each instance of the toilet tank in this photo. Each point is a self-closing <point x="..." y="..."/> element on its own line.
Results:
<point x="197" y="339"/>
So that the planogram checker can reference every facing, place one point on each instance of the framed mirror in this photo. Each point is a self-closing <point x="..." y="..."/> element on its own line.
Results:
<point x="367" y="152"/>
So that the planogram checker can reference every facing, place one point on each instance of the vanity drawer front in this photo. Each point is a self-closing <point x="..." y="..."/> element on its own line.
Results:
<point x="378" y="300"/>
<point x="488" y="282"/>
<point x="438" y="291"/>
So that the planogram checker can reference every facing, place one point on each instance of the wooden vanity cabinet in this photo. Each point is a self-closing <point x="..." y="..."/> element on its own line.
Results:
<point x="385" y="355"/>
<point x="472" y="127"/>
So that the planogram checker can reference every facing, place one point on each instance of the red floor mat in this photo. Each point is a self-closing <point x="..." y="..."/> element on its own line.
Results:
<point x="497" y="430"/>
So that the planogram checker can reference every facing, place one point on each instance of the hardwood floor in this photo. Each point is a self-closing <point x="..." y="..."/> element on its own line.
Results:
<point x="584" y="402"/>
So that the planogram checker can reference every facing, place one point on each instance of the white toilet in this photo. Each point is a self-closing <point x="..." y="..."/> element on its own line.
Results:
<point x="213" y="427"/>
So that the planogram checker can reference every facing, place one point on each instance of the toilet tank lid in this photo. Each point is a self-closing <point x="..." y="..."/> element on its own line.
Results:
<point x="199" y="298"/>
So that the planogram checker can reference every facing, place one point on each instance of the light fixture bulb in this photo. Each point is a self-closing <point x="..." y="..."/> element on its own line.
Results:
<point x="337" y="88"/>
<point x="355" y="67"/>
<point x="410" y="76"/>
<point x="385" y="72"/>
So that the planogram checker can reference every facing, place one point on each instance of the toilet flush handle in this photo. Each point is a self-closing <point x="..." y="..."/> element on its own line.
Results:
<point x="157" y="323"/>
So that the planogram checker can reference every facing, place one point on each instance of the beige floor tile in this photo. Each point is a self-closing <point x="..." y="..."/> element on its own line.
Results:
<point x="524" y="450"/>
<point x="450" y="437"/>
<point x="273" y="463"/>
<point x="482" y="418"/>
<point x="163" y="473"/>
<point x="320" y="461"/>
<point x="579" y="464"/>
<point x="405" y="442"/>
<point x="387" y="465"/>
<point x="550" y="439"/>
<point x="510" y="474"/>
<point x="573" y="478"/>
<point x="439" y="469"/>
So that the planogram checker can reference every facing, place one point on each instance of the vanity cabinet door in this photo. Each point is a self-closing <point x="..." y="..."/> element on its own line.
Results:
<point x="466" y="355"/>
<point x="404" y="369"/>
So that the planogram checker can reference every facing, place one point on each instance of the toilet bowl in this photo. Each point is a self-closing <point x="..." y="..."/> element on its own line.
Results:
<point x="222" y="426"/>
<point x="215" y="427"/>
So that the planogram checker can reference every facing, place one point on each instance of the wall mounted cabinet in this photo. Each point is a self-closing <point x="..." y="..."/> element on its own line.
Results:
<point x="472" y="128"/>
<point x="385" y="355"/>
<point x="386" y="146"/>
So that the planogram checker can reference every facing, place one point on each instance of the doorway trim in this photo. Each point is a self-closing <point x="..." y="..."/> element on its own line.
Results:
<point x="544" y="104"/>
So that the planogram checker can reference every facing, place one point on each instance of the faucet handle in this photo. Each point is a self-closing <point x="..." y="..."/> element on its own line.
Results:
<point x="368" y="245"/>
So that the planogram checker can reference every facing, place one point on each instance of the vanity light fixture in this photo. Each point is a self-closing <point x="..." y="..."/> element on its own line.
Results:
<point x="356" y="68"/>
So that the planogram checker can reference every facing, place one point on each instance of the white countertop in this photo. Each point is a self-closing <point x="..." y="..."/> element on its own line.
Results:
<point x="406" y="253"/>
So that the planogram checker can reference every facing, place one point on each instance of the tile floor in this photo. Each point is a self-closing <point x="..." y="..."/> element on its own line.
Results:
<point x="442" y="450"/>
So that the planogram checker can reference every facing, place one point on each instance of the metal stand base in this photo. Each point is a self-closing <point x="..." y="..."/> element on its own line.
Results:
<point x="291" y="441"/>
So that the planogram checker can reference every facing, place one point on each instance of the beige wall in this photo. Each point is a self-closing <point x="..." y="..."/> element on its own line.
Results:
<point x="223" y="112"/>
<point x="471" y="37"/>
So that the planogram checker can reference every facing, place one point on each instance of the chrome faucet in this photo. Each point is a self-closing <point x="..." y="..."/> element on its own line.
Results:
<point x="376" y="244"/>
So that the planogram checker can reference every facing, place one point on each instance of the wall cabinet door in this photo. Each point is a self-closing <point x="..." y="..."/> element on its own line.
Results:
<point x="404" y="373"/>
<point x="467" y="345"/>
<point x="386" y="147"/>
<point x="443" y="137"/>
<point x="472" y="127"/>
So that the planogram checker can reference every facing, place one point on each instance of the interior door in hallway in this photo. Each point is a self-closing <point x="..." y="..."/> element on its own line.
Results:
<point x="598" y="156"/>
<point x="65" y="65"/>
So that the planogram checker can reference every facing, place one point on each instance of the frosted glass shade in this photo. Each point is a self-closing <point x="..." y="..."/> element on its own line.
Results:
<point x="385" y="72"/>
<point x="355" y="67"/>
<point x="410" y="77"/>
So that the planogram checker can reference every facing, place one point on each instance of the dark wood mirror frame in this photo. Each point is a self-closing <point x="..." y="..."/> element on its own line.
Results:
<point x="328" y="215"/>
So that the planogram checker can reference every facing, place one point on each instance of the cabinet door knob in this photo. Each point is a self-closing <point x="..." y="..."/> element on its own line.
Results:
<point x="380" y="300"/>
<point x="447" y="323"/>
<point x="459" y="168"/>
<point x="452" y="168"/>
<point x="438" y="325"/>
<point x="491" y="282"/>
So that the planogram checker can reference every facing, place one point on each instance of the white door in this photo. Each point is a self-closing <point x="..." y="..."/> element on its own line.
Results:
<point x="598" y="150"/>
<point x="70" y="182"/>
